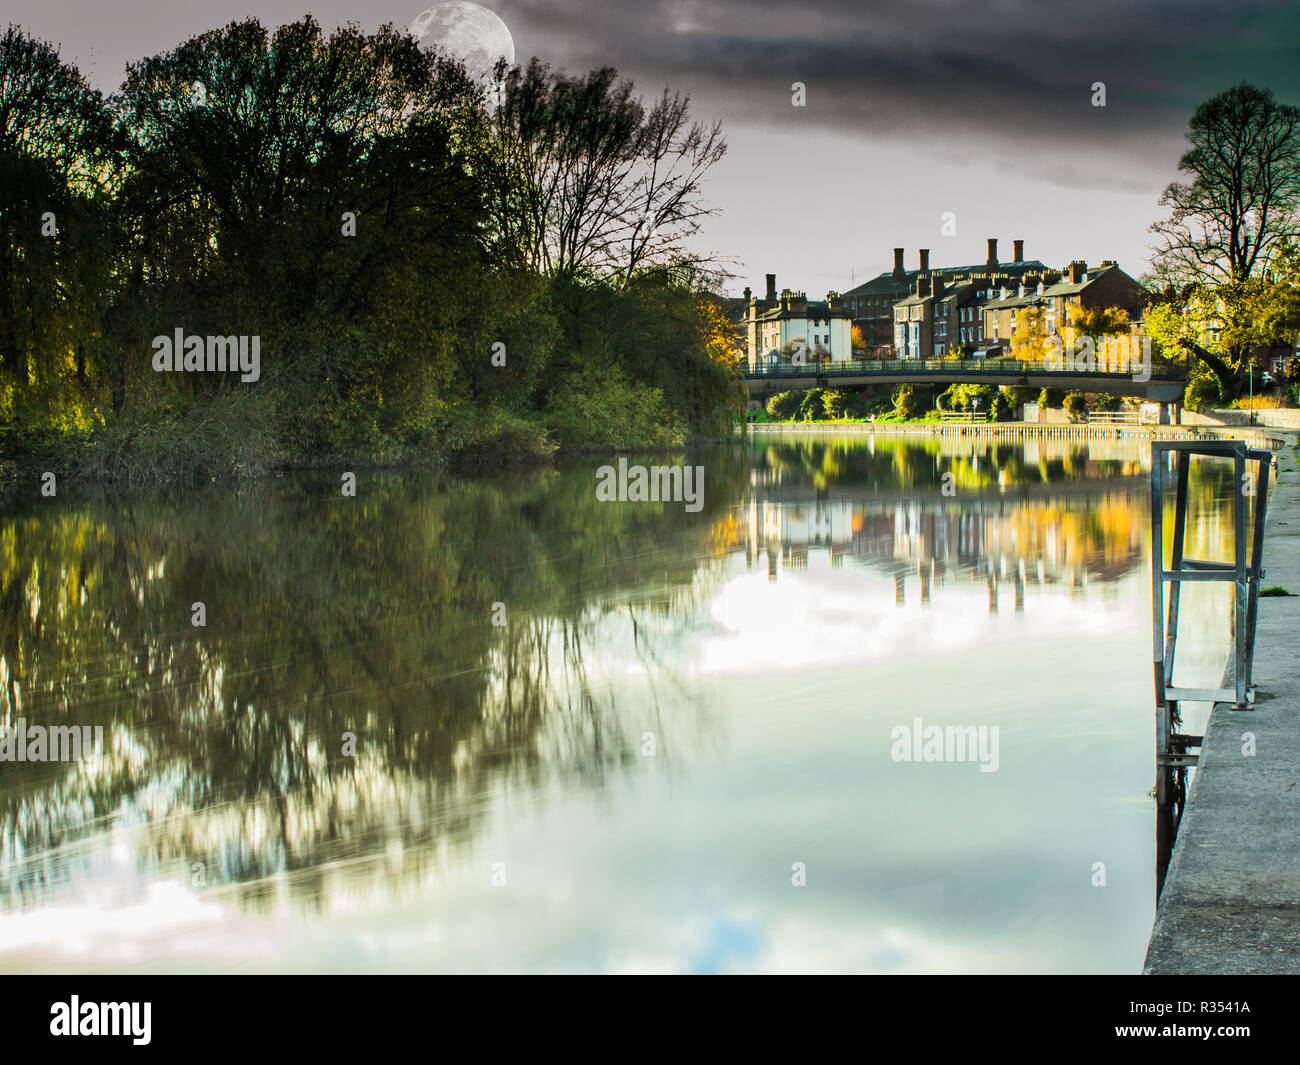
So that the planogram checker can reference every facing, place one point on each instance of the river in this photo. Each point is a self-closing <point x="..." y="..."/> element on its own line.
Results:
<point x="494" y="723"/>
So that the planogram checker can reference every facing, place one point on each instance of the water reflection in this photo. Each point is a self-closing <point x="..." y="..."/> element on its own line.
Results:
<point x="643" y="646"/>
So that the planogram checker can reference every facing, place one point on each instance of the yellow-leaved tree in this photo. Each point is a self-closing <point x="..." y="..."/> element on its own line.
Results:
<point x="1029" y="337"/>
<point x="723" y="336"/>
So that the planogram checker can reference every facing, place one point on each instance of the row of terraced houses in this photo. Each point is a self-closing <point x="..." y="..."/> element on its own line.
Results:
<point x="930" y="313"/>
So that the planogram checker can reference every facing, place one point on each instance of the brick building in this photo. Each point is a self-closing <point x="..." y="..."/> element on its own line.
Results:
<point x="1057" y="294"/>
<point x="872" y="304"/>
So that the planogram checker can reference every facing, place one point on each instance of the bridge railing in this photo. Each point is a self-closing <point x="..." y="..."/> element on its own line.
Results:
<point x="860" y="367"/>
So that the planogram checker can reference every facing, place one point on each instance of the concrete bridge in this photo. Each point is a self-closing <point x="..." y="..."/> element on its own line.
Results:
<point x="1163" y="384"/>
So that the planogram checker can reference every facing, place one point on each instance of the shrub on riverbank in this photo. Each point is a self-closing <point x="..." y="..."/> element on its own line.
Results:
<point x="784" y="405"/>
<point x="906" y="403"/>
<point x="811" y="408"/>
<point x="1202" y="393"/>
<point x="595" y="409"/>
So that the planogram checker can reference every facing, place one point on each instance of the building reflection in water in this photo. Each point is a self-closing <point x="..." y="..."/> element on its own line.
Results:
<point x="925" y="544"/>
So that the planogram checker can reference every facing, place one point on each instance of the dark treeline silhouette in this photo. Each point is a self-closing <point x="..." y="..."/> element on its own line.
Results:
<point x="383" y="224"/>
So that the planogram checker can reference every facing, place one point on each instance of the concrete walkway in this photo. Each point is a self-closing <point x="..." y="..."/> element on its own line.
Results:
<point x="1231" y="902"/>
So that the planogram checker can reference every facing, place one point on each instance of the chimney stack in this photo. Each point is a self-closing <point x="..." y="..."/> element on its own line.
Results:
<point x="1076" y="271"/>
<point x="771" y="288"/>
<point x="923" y="287"/>
<point x="898" y="263"/>
<point x="936" y="285"/>
<point x="992" y="263"/>
<point x="748" y="294"/>
<point x="1019" y="246"/>
<point x="925" y="259"/>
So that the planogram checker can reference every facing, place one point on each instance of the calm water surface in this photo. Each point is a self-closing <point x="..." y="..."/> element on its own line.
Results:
<point x="622" y="777"/>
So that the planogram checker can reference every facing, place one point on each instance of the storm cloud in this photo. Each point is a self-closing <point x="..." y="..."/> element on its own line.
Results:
<point x="913" y="109"/>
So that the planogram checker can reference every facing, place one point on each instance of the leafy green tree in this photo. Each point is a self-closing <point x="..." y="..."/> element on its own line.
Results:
<point x="423" y="273"/>
<point x="906" y="403"/>
<point x="811" y="408"/>
<point x="784" y="405"/>
<point x="58" y="160"/>
<point x="962" y="396"/>
<point x="835" y="401"/>
<point x="1202" y="393"/>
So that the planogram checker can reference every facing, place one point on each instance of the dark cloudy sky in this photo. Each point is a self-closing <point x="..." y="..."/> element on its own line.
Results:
<point x="914" y="107"/>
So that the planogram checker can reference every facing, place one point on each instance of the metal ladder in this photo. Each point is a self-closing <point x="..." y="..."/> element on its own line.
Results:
<point x="1244" y="571"/>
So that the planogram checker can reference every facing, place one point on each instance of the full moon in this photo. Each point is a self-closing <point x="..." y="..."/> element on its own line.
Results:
<point x="467" y="32"/>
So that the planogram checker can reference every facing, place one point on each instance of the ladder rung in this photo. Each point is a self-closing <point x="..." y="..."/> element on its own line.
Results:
<point x="1227" y="573"/>
<point x="1200" y="695"/>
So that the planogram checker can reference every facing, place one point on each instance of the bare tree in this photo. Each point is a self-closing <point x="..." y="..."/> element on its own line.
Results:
<point x="1245" y="187"/>
<point x="588" y="179"/>
<point x="1227" y="231"/>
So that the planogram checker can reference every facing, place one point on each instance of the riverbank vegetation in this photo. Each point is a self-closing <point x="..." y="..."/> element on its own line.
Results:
<point x="432" y="269"/>
<point x="927" y="403"/>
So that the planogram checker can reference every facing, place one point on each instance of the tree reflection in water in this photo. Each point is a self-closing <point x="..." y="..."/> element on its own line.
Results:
<point x="372" y="615"/>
